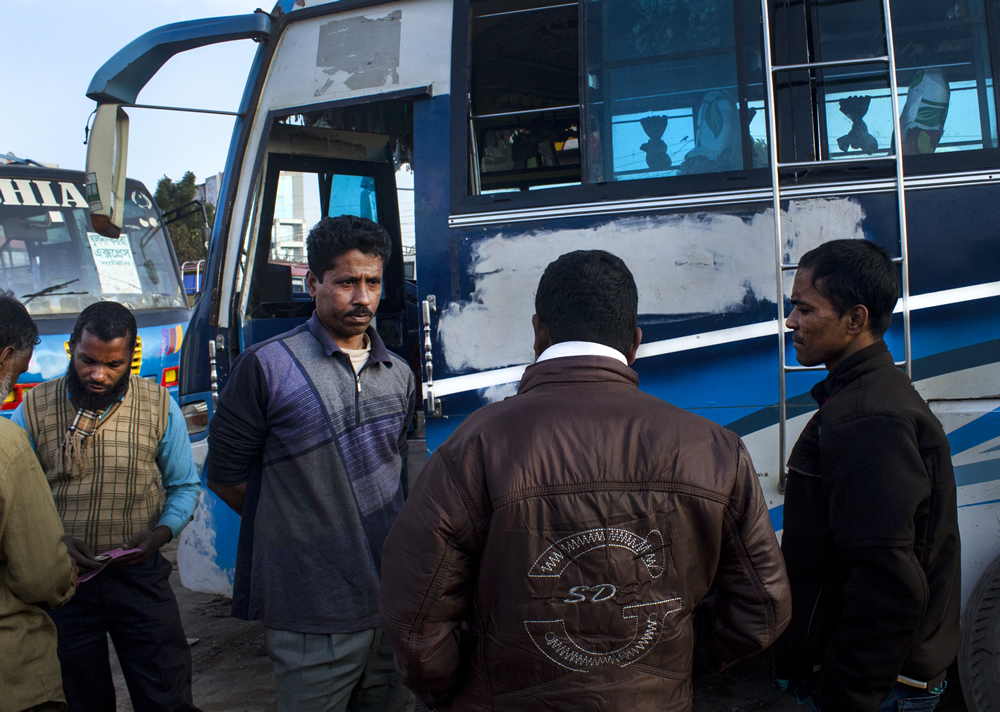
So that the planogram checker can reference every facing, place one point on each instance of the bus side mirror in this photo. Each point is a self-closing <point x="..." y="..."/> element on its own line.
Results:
<point x="107" y="155"/>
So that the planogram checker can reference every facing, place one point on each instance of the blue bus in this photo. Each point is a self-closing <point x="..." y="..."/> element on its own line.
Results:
<point x="708" y="144"/>
<point x="54" y="262"/>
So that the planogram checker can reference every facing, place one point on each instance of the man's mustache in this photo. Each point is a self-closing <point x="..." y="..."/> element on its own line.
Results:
<point x="360" y="311"/>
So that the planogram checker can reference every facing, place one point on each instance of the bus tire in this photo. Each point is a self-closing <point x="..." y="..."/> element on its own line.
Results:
<point x="979" y="655"/>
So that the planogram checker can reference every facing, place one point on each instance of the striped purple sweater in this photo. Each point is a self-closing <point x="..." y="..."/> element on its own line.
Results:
<point x="321" y="452"/>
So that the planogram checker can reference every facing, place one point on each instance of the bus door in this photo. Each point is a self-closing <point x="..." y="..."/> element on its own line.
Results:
<point x="309" y="174"/>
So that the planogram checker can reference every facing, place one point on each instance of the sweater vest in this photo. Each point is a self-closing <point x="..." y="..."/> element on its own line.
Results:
<point x="119" y="493"/>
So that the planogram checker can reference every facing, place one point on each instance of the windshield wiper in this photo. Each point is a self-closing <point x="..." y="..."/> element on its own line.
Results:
<point x="25" y="298"/>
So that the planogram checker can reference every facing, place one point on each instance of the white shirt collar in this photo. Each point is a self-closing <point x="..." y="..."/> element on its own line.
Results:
<point x="580" y="348"/>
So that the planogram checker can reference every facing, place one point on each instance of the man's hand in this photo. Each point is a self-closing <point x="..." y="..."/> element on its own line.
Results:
<point x="148" y="542"/>
<point x="80" y="553"/>
<point x="233" y="495"/>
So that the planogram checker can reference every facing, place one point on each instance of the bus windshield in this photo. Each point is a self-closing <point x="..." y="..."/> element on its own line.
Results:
<point x="56" y="265"/>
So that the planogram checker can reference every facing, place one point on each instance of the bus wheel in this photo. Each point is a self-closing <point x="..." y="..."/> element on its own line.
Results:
<point x="979" y="656"/>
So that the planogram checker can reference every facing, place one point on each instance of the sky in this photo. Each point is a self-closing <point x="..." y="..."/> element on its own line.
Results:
<point x="51" y="49"/>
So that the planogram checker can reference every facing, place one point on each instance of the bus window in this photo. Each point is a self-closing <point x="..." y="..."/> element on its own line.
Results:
<point x="298" y="192"/>
<point x="297" y="207"/>
<point x="57" y="266"/>
<point x="670" y="89"/>
<point x="943" y="71"/>
<point x="524" y="95"/>
<point x="673" y="88"/>
<point x="946" y="84"/>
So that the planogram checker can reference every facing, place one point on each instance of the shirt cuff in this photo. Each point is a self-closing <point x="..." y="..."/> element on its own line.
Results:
<point x="174" y="523"/>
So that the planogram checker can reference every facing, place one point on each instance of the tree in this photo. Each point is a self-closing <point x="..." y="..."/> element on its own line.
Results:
<point x="189" y="243"/>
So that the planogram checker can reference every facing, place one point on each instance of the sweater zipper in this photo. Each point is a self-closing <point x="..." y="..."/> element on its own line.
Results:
<point x="357" y="399"/>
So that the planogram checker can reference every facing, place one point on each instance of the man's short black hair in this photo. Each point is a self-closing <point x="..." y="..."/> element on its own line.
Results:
<point x="105" y="320"/>
<point x="852" y="272"/>
<point x="332" y="237"/>
<point x="589" y="295"/>
<point x="16" y="326"/>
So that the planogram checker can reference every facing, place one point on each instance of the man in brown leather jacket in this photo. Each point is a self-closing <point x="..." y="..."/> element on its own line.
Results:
<point x="581" y="545"/>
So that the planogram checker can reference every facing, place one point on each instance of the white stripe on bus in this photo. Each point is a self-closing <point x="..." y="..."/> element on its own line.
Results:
<point x="511" y="374"/>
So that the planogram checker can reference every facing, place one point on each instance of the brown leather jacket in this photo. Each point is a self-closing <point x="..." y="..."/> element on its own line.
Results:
<point x="580" y="546"/>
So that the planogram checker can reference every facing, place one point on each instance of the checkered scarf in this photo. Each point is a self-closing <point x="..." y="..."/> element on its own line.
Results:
<point x="74" y="446"/>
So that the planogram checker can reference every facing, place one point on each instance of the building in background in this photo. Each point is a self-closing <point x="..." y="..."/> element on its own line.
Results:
<point x="290" y="228"/>
<point x="208" y="191"/>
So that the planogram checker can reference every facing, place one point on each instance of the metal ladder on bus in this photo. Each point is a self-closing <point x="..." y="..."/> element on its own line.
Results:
<point x="781" y="267"/>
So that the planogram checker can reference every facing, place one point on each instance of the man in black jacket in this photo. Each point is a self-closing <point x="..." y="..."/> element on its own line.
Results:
<point x="870" y="522"/>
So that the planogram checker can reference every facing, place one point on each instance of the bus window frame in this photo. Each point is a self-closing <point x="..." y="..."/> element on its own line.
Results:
<point x="395" y="289"/>
<point x="463" y="202"/>
<point x="788" y="36"/>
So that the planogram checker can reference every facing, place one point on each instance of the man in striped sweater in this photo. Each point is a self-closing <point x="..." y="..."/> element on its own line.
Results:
<point x="307" y="444"/>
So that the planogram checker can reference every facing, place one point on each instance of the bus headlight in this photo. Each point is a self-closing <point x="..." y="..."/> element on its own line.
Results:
<point x="196" y="416"/>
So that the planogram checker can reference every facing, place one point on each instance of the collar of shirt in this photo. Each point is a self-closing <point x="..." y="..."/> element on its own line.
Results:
<point x="378" y="352"/>
<point x="580" y="348"/>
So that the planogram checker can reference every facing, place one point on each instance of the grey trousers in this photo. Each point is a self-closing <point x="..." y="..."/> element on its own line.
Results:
<point x="336" y="672"/>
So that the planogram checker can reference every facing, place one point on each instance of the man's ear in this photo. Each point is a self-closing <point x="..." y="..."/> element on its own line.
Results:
<point x="542" y="338"/>
<point x="311" y="282"/>
<point x="857" y="319"/>
<point x="6" y="355"/>
<point x="636" y="340"/>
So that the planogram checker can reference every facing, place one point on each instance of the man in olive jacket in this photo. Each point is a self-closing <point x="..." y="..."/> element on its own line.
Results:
<point x="870" y="520"/>
<point x="35" y="569"/>
<point x="582" y="545"/>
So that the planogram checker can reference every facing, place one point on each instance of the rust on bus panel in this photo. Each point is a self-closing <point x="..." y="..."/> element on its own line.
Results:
<point x="358" y="53"/>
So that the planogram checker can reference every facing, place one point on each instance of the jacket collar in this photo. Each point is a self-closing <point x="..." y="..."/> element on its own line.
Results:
<point x="577" y="369"/>
<point x="379" y="352"/>
<point x="853" y="367"/>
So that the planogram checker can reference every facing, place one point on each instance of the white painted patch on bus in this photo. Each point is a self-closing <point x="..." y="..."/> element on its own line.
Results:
<point x="495" y="394"/>
<point x="49" y="364"/>
<point x="197" y="557"/>
<point x="683" y="264"/>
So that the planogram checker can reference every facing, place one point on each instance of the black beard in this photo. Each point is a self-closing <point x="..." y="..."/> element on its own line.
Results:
<point x="82" y="398"/>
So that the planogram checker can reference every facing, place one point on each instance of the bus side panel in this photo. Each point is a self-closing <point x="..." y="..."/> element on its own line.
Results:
<point x="702" y="273"/>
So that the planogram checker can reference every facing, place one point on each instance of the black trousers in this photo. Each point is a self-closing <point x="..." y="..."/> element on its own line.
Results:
<point x="136" y="606"/>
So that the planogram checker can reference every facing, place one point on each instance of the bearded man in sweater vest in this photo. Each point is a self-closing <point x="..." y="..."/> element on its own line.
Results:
<point x="106" y="439"/>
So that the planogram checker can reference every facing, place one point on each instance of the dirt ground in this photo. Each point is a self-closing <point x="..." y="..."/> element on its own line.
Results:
<point x="232" y="672"/>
